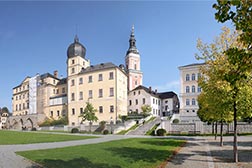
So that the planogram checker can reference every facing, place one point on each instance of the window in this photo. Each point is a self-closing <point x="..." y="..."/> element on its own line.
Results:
<point x="100" y="109"/>
<point x="139" y="92"/>
<point x="72" y="61"/>
<point x="23" y="96"/>
<point x="156" y="101"/>
<point x="187" y="77"/>
<point x="100" y="77"/>
<point x="199" y="89"/>
<point x="80" y="81"/>
<point x="130" y="102"/>
<point x="111" y="109"/>
<point x="72" y="82"/>
<point x="54" y="81"/>
<point x="159" y="102"/>
<point x="63" y="90"/>
<point x="100" y="93"/>
<point x="153" y="101"/>
<point x="193" y="76"/>
<point x="193" y="111"/>
<point x="187" y="102"/>
<point x="135" y="66"/>
<point x="57" y="91"/>
<point x="193" y="89"/>
<point x="72" y="70"/>
<point x="143" y="100"/>
<point x="111" y="92"/>
<point x="166" y="108"/>
<point x="137" y="110"/>
<point x="134" y="93"/>
<point x="90" y="94"/>
<point x="73" y="111"/>
<point x="81" y="96"/>
<point x="19" y="106"/>
<point x="193" y="101"/>
<point x="58" y="113"/>
<point x="187" y="89"/>
<point x="136" y="102"/>
<point x="81" y="110"/>
<point x="16" y="97"/>
<point x="23" y="106"/>
<point x="16" y="107"/>
<point x="135" y="82"/>
<point x="19" y="97"/>
<point x="187" y="111"/>
<point x="199" y="76"/>
<point x="90" y="79"/>
<point x="27" y="105"/>
<point x="166" y="101"/>
<point x="53" y="91"/>
<point x="51" y="113"/>
<point x="111" y="75"/>
<point x="72" y="96"/>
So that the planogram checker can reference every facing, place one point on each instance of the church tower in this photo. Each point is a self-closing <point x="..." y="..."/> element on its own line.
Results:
<point x="76" y="58"/>
<point x="132" y="61"/>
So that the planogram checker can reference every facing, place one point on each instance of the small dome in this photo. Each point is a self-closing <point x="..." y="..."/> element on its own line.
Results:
<point x="76" y="49"/>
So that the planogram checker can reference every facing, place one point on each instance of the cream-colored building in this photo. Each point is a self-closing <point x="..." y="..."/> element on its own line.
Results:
<point x="103" y="85"/>
<point x="189" y="91"/>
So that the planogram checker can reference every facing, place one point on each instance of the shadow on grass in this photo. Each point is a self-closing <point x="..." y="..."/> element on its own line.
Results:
<point x="77" y="162"/>
<point x="137" y="154"/>
<point x="161" y="142"/>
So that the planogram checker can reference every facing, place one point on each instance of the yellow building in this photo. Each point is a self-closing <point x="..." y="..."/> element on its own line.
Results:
<point x="103" y="85"/>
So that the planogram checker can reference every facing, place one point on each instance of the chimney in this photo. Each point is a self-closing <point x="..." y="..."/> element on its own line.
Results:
<point x="155" y="90"/>
<point x="55" y="74"/>
<point x="150" y="88"/>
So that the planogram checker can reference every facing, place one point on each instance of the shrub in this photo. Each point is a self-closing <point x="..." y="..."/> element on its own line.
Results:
<point x="33" y="129"/>
<point x="175" y="121"/>
<point x="75" y="130"/>
<point x="161" y="132"/>
<point x="105" y="132"/>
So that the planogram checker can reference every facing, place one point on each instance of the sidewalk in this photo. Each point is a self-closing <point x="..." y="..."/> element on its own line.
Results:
<point x="205" y="152"/>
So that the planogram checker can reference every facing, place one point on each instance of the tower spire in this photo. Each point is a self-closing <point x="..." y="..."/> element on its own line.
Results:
<point x="132" y="42"/>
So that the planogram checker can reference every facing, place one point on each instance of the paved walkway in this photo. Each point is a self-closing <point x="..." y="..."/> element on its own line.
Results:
<point x="205" y="152"/>
<point x="199" y="152"/>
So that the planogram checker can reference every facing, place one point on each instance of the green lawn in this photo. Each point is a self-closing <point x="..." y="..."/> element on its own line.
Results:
<point x="129" y="153"/>
<point x="15" y="137"/>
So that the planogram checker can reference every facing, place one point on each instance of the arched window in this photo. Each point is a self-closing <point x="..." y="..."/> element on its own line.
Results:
<point x="193" y="89"/>
<point x="193" y="76"/>
<point x="193" y="101"/>
<point x="187" y="77"/>
<point x="187" y="89"/>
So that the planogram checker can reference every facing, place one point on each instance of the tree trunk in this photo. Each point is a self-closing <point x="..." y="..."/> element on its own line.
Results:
<point x="212" y="127"/>
<point x="235" y="133"/>
<point x="221" y="134"/>
<point x="90" y="124"/>
<point x="216" y="125"/>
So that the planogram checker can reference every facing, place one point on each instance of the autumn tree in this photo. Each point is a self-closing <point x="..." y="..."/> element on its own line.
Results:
<point x="240" y="13"/>
<point x="146" y="109"/>
<point x="89" y="114"/>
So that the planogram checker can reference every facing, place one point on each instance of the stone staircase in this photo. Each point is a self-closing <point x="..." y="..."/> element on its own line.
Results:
<point x="142" y="129"/>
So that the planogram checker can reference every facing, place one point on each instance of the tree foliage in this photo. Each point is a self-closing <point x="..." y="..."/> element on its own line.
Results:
<point x="89" y="114"/>
<point x="146" y="109"/>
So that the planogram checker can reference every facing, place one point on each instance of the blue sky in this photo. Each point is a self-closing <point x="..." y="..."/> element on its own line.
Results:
<point x="34" y="37"/>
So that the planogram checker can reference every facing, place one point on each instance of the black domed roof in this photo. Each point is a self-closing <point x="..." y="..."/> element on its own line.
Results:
<point x="76" y="49"/>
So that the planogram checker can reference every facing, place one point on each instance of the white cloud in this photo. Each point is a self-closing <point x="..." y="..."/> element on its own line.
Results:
<point x="169" y="86"/>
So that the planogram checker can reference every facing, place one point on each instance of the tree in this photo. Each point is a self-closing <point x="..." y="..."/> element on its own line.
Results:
<point x="240" y="13"/>
<point x="217" y="99"/>
<point x="89" y="114"/>
<point x="146" y="109"/>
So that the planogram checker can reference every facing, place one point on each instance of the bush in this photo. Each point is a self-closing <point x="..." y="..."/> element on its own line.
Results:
<point x="161" y="132"/>
<point x="105" y="132"/>
<point x="33" y="129"/>
<point x="52" y="122"/>
<point x="75" y="130"/>
<point x="175" y="121"/>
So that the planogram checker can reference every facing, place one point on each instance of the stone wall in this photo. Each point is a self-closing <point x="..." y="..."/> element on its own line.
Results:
<point x="204" y="128"/>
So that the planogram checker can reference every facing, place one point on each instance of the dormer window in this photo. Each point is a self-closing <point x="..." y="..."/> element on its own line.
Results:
<point x="72" y="61"/>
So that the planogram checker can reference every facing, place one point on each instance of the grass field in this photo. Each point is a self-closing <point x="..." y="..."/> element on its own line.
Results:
<point x="15" y="137"/>
<point x="129" y="153"/>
